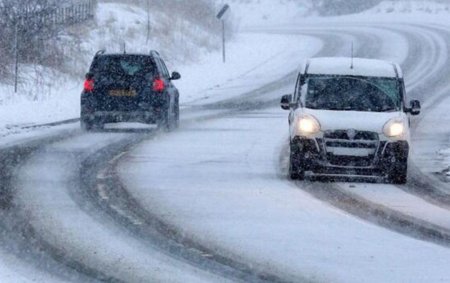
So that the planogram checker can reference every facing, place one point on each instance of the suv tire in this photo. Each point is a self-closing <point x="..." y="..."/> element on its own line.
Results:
<point x="166" y="121"/>
<point x="177" y="115"/>
<point x="86" y="125"/>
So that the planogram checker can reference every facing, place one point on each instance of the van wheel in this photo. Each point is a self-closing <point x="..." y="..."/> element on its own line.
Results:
<point x="296" y="172"/>
<point x="399" y="173"/>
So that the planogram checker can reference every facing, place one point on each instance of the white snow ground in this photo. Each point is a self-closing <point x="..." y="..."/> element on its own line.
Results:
<point x="268" y="217"/>
<point x="54" y="103"/>
<point x="45" y="189"/>
<point x="220" y="183"/>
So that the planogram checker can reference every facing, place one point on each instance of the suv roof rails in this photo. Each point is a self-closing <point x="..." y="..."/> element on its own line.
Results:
<point x="100" y="52"/>
<point x="396" y="71"/>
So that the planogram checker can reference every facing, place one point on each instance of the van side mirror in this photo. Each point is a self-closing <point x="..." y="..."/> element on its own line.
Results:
<point x="415" y="107"/>
<point x="175" y="76"/>
<point x="286" y="101"/>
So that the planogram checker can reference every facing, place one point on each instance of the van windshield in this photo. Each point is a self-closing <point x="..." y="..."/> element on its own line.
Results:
<point x="353" y="94"/>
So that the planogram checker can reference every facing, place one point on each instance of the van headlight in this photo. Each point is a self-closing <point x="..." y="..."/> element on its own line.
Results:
<point x="394" y="128"/>
<point x="307" y="125"/>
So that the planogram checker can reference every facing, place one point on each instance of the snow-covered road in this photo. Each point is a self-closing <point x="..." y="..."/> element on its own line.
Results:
<point x="211" y="201"/>
<point x="221" y="184"/>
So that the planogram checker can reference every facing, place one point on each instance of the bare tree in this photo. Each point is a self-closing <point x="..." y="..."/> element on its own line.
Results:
<point x="30" y="29"/>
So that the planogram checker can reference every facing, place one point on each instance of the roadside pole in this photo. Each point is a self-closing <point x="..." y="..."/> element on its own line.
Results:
<point x="223" y="41"/>
<point x="16" y="57"/>
<point x="220" y="16"/>
<point x="148" y="21"/>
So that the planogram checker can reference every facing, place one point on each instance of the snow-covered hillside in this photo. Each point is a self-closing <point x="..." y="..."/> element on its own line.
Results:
<point x="266" y="12"/>
<point x="414" y="6"/>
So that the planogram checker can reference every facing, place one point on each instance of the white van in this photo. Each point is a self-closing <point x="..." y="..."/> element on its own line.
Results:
<point x="349" y="117"/>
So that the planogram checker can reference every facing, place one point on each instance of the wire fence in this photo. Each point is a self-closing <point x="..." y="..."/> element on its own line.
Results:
<point x="30" y="31"/>
<point x="60" y="16"/>
<point x="73" y="14"/>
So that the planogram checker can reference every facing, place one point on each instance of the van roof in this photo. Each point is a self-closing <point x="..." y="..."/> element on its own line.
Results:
<point x="361" y="67"/>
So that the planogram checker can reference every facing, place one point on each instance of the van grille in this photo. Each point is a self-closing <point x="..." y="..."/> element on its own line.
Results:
<point x="351" y="148"/>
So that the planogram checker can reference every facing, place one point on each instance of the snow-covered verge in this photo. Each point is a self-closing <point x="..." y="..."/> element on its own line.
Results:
<point x="408" y="7"/>
<point x="251" y="13"/>
<point x="250" y="58"/>
<point x="266" y="12"/>
<point x="433" y="154"/>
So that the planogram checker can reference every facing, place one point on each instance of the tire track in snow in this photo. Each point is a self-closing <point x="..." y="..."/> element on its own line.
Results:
<point x="20" y="236"/>
<point x="251" y="105"/>
<point x="32" y="241"/>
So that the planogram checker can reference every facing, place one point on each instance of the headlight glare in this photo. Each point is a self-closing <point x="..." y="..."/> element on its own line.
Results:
<point x="394" y="128"/>
<point x="308" y="125"/>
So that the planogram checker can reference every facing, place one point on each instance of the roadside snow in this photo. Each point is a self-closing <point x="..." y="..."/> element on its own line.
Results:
<point x="247" y="209"/>
<point x="267" y="12"/>
<point x="411" y="6"/>
<point x="251" y="59"/>
<point x="432" y="141"/>
<point x="400" y="201"/>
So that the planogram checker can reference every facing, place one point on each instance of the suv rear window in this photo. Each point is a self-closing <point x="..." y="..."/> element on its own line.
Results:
<point x="123" y="66"/>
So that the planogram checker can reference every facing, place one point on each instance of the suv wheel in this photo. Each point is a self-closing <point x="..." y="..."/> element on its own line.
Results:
<point x="89" y="125"/>
<point x="86" y="124"/>
<point x="398" y="173"/>
<point x="166" y="121"/>
<point x="177" y="115"/>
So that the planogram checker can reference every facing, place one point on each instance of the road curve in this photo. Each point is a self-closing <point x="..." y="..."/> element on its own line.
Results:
<point x="96" y="193"/>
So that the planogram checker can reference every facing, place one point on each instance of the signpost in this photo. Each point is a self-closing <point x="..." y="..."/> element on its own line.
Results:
<point x="220" y="16"/>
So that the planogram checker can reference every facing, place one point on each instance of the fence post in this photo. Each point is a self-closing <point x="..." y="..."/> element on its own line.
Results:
<point x="148" y="21"/>
<point x="16" y="55"/>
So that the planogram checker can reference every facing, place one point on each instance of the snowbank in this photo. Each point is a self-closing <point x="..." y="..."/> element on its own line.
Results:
<point x="408" y="7"/>
<point x="267" y="12"/>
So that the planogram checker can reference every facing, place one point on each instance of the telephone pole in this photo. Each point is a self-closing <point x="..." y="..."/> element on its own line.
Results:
<point x="16" y="57"/>
<point x="220" y="16"/>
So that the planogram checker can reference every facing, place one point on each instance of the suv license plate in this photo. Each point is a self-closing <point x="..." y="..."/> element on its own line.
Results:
<point x="122" y="92"/>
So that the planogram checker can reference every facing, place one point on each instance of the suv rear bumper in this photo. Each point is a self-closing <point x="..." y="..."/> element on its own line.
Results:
<point x="313" y="158"/>
<point x="142" y="116"/>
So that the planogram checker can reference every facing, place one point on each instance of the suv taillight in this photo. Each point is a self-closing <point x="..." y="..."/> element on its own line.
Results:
<point x="158" y="85"/>
<point x="88" y="85"/>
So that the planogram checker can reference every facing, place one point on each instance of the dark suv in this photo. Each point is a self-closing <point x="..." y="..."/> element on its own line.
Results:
<point x="129" y="88"/>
